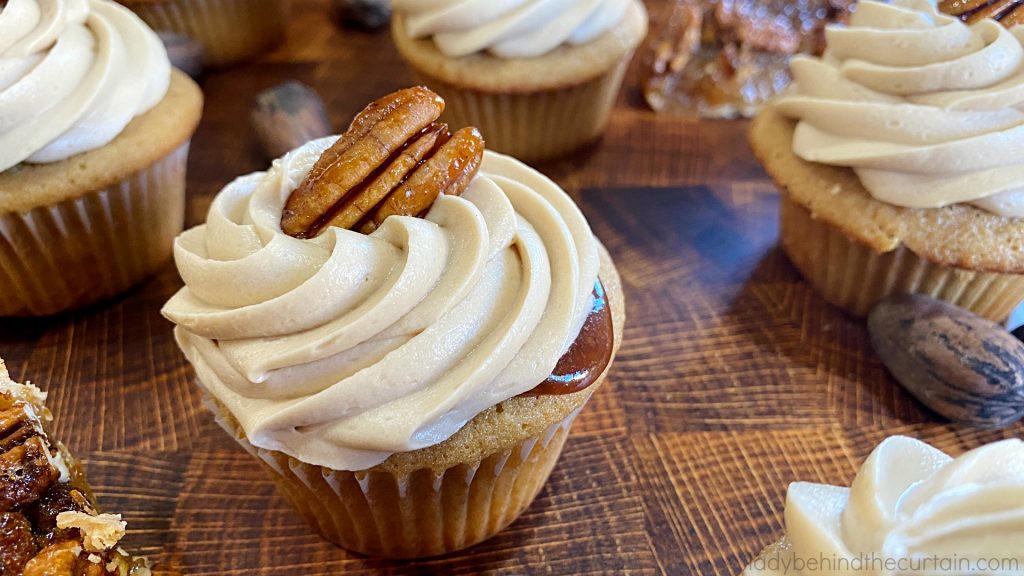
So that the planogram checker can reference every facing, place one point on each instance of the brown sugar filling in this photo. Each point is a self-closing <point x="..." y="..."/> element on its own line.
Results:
<point x="589" y="354"/>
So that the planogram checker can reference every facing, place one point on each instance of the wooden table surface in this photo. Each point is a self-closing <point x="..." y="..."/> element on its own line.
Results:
<point x="733" y="380"/>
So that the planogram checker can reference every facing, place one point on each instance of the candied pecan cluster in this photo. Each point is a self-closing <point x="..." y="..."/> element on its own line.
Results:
<point x="39" y="483"/>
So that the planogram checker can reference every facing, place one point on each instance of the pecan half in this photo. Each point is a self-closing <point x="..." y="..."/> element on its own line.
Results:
<point x="393" y="160"/>
<point x="448" y="171"/>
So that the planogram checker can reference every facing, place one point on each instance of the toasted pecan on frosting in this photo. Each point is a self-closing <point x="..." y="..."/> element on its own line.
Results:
<point x="395" y="159"/>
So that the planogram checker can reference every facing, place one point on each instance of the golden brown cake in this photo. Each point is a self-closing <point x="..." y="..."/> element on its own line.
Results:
<point x="532" y="103"/>
<point x="50" y="524"/>
<point x="230" y="31"/>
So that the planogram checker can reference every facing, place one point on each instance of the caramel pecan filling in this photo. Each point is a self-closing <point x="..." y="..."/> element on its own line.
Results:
<point x="394" y="159"/>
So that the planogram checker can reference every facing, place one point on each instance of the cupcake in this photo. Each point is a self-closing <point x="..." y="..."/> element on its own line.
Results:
<point x="911" y="510"/>
<point x="377" y="319"/>
<point x="538" y="78"/>
<point x="896" y="155"/>
<point x="49" y="522"/>
<point x="95" y="127"/>
<point x="230" y="31"/>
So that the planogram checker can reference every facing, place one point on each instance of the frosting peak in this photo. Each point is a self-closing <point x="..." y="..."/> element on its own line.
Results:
<point x="73" y="74"/>
<point x="925" y="109"/>
<point x="509" y="28"/>
<point x="345" y="348"/>
<point x="913" y="510"/>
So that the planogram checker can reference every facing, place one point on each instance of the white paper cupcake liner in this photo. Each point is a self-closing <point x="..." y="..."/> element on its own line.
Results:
<point x="854" y="277"/>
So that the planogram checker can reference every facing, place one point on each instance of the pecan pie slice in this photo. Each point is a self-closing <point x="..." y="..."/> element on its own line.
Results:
<point x="49" y="522"/>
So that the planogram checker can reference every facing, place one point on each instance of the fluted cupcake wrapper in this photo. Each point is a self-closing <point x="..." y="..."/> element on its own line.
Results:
<point x="230" y="31"/>
<point x="533" y="125"/>
<point x="854" y="277"/>
<point x="79" y="251"/>
<point x="422" y="513"/>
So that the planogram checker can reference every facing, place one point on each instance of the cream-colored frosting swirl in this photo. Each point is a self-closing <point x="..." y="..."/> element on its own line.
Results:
<point x="346" y="348"/>
<point x="509" y="28"/>
<point x="927" y="111"/>
<point x="73" y="74"/>
<point x="912" y="509"/>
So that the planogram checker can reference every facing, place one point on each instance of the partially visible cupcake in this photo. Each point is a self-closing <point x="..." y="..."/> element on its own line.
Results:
<point x="911" y="510"/>
<point x="230" y="31"/>
<point x="898" y="157"/>
<point x="400" y="326"/>
<point x="538" y="78"/>
<point x="94" y="134"/>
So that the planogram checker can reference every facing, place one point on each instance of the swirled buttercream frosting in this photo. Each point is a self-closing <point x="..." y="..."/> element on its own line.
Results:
<point x="509" y="28"/>
<point x="926" y="110"/>
<point x="911" y="510"/>
<point x="73" y="74"/>
<point x="346" y="348"/>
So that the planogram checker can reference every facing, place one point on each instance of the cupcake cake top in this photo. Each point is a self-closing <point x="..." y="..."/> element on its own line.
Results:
<point x="925" y="109"/>
<point x="73" y="74"/>
<point x="509" y="28"/>
<point x="911" y="509"/>
<point x="343" y="329"/>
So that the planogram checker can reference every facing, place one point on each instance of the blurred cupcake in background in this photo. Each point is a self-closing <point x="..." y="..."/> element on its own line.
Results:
<point x="230" y="31"/>
<point x="538" y="78"/>
<point x="95" y="128"/>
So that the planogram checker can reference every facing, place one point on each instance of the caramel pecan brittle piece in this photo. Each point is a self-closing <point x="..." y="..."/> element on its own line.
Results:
<point x="25" y="473"/>
<point x="41" y="484"/>
<point x="393" y="160"/>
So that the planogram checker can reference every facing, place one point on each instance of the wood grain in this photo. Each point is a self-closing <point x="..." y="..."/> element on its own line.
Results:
<point x="734" y="378"/>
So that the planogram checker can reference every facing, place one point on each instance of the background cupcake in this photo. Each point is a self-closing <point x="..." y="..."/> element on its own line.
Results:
<point x="896" y="155"/>
<point x="93" y="144"/>
<point x="230" y="31"/>
<point x="398" y="385"/>
<point x="539" y="80"/>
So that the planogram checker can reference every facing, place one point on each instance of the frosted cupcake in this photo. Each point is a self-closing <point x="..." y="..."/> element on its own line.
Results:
<point x="94" y="133"/>
<point x="409" y="387"/>
<point x="911" y="510"/>
<point x="897" y="158"/>
<point x="230" y="31"/>
<point x="49" y="523"/>
<point x="538" y="78"/>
